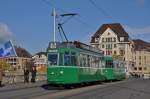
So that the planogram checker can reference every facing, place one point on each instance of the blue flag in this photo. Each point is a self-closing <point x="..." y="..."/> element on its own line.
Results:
<point x="7" y="50"/>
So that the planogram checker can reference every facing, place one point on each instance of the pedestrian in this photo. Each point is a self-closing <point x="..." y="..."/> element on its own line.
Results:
<point x="1" y="76"/>
<point x="26" y="75"/>
<point x="142" y="76"/>
<point x="33" y="74"/>
<point x="14" y="74"/>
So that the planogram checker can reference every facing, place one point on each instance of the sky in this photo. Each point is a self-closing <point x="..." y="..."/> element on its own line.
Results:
<point x="29" y="23"/>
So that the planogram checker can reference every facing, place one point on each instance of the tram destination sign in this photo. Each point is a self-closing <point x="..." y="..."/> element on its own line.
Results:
<point x="52" y="51"/>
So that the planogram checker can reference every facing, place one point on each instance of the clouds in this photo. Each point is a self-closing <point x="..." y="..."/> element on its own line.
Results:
<point x="5" y="33"/>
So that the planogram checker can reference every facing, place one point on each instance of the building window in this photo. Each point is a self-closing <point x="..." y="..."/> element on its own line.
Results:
<point x="102" y="39"/>
<point x="106" y="46"/>
<point x="103" y="46"/>
<point x="122" y="52"/>
<point x="139" y="57"/>
<point x="145" y="68"/>
<point x="135" y="68"/>
<point x="139" y="63"/>
<point x="115" y="46"/>
<point x="106" y="39"/>
<point x="110" y="46"/>
<point x="114" y="39"/>
<point x="140" y="68"/>
<point x="108" y="52"/>
<point x="114" y="52"/>
<point x="110" y="39"/>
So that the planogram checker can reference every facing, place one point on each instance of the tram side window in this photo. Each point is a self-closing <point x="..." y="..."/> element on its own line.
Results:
<point x="52" y="59"/>
<point x="83" y="61"/>
<point x="67" y="58"/>
<point x="89" y="61"/>
<point x="61" y="59"/>
<point x="93" y="61"/>
<point x="73" y="58"/>
<point x="103" y="62"/>
<point x="97" y="62"/>
<point x="80" y="60"/>
<point x="109" y="64"/>
<point x="100" y="62"/>
<point x="70" y="59"/>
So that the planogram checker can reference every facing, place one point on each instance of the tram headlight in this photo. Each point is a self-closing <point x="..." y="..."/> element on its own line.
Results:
<point x="61" y="72"/>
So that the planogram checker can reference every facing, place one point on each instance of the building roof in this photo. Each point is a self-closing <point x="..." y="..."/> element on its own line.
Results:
<point x="41" y="53"/>
<point x="115" y="27"/>
<point x="141" y="45"/>
<point x="21" y="52"/>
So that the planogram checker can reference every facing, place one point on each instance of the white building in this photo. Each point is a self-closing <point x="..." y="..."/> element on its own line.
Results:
<point x="114" y="41"/>
<point x="40" y="61"/>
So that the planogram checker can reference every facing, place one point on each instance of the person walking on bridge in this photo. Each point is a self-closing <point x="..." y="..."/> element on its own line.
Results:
<point x="33" y="74"/>
<point x="26" y="75"/>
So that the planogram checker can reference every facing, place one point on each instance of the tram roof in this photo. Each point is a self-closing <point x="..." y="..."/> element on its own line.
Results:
<point x="75" y="44"/>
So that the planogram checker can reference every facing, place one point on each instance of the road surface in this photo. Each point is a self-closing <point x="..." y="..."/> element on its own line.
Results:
<point x="127" y="89"/>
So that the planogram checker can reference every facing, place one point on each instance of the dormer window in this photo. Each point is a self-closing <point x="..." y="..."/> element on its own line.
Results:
<point x="121" y="39"/>
<point x="96" y="39"/>
<point x="108" y="33"/>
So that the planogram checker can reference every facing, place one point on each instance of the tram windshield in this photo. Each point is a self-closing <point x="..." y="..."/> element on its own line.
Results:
<point x="52" y="58"/>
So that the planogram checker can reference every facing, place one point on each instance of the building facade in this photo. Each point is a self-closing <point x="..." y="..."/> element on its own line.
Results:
<point x="141" y="57"/>
<point x="19" y="62"/>
<point x="40" y="61"/>
<point x="114" y="41"/>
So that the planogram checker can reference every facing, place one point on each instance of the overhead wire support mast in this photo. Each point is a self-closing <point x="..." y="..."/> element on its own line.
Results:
<point x="54" y="14"/>
<point x="54" y="34"/>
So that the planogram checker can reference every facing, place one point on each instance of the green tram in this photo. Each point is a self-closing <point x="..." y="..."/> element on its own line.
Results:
<point x="75" y="63"/>
<point x="114" y="68"/>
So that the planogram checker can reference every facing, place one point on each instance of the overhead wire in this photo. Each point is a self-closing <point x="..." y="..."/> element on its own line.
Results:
<point x="78" y="19"/>
<point x="100" y="9"/>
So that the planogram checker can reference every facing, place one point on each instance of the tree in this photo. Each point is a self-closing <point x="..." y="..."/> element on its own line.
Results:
<point x="4" y="65"/>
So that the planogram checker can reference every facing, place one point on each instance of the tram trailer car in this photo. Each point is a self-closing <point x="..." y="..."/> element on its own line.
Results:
<point x="75" y="63"/>
<point x="114" y="69"/>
